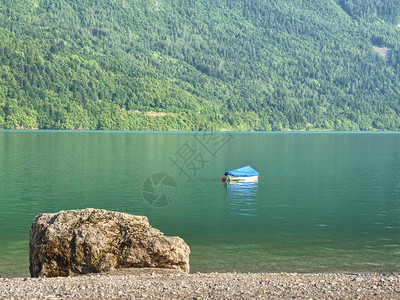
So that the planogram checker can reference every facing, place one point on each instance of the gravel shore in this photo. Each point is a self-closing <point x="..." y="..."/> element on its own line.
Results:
<point x="164" y="285"/>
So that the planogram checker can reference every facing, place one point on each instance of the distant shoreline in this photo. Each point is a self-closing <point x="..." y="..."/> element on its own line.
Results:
<point x="153" y="285"/>
<point x="190" y="131"/>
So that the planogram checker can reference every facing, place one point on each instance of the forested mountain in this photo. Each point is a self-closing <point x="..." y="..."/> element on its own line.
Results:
<point x="200" y="64"/>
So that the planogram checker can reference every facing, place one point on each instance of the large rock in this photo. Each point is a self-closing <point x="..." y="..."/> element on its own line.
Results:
<point x="95" y="240"/>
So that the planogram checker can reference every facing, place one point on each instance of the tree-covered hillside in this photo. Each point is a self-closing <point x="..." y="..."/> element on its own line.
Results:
<point x="200" y="65"/>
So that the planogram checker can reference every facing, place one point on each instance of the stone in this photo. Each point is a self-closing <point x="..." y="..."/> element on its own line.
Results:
<point x="95" y="240"/>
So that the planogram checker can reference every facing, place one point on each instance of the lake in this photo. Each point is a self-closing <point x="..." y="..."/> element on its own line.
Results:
<point x="324" y="202"/>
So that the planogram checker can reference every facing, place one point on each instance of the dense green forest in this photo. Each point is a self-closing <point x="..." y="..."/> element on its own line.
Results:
<point x="200" y="65"/>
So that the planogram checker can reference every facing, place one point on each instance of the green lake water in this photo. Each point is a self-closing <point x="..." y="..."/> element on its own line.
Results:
<point x="324" y="202"/>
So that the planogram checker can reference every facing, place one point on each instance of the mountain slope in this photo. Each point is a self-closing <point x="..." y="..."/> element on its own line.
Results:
<point x="207" y="65"/>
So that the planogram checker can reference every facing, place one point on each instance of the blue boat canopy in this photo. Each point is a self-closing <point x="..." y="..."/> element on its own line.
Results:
<point x="246" y="171"/>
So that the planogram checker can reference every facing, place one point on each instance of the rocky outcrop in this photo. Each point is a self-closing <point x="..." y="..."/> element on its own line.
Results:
<point x="95" y="240"/>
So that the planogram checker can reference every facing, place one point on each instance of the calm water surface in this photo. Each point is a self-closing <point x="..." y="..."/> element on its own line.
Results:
<point x="324" y="202"/>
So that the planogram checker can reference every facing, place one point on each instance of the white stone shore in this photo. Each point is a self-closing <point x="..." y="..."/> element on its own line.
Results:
<point x="148" y="284"/>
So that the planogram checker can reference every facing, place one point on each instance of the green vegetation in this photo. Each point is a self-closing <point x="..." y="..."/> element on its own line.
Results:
<point x="208" y="65"/>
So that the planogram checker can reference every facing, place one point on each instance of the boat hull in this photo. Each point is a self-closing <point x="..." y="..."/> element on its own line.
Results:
<point x="236" y="178"/>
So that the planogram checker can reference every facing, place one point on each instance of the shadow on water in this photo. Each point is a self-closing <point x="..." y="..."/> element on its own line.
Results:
<point x="242" y="198"/>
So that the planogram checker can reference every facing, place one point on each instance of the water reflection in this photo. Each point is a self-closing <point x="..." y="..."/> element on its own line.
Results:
<point x="242" y="198"/>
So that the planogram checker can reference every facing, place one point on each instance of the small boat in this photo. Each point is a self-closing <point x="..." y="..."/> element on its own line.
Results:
<point x="246" y="173"/>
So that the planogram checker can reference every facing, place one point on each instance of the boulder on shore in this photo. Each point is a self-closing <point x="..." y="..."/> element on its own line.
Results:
<point x="95" y="240"/>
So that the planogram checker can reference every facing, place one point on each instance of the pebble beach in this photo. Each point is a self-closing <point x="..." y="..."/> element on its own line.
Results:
<point x="150" y="284"/>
